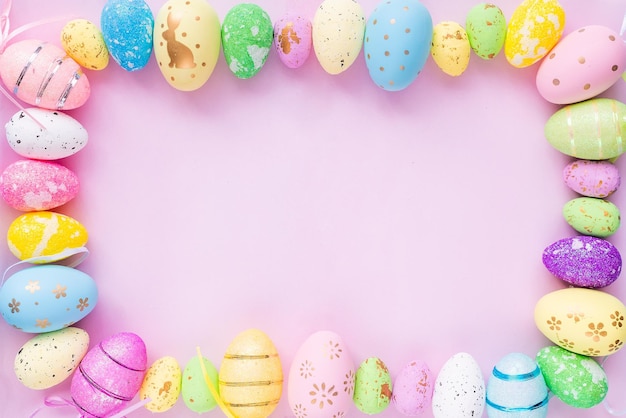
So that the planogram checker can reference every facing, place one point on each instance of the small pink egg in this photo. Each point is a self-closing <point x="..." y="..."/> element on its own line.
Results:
<point x="293" y="39"/>
<point x="582" y="65"/>
<point x="30" y="185"/>
<point x="592" y="178"/>
<point x="413" y="389"/>
<point x="41" y="74"/>
<point x="110" y="375"/>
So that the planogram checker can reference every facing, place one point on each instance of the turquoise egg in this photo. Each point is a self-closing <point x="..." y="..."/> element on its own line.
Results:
<point x="398" y="37"/>
<point x="47" y="298"/>
<point x="516" y="388"/>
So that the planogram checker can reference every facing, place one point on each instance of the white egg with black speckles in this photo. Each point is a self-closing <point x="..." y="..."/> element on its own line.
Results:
<point x="48" y="359"/>
<point x="459" y="389"/>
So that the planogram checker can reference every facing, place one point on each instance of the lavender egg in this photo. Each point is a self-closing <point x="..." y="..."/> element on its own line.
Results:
<point x="592" y="178"/>
<point x="293" y="40"/>
<point x="583" y="261"/>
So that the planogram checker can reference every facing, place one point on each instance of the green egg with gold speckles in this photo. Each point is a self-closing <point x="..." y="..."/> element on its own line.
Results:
<point x="485" y="25"/>
<point x="195" y="391"/>
<point x="372" y="386"/>
<point x="592" y="216"/>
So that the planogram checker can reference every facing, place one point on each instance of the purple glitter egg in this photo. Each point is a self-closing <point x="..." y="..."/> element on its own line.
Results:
<point x="110" y="375"/>
<point x="583" y="261"/>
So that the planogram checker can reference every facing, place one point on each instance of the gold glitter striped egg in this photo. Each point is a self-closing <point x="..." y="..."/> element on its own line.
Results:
<point x="251" y="377"/>
<point x="44" y="233"/>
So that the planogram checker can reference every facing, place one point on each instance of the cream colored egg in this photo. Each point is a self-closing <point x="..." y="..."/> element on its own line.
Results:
<point x="48" y="359"/>
<point x="450" y="48"/>
<point x="162" y="384"/>
<point x="83" y="41"/>
<point x="584" y="321"/>
<point x="187" y="39"/>
<point x="338" y="31"/>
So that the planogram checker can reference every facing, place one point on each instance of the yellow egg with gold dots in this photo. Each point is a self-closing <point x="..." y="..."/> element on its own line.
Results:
<point x="162" y="384"/>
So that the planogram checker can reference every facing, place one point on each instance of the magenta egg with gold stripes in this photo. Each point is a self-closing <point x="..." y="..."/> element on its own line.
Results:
<point x="41" y="74"/>
<point x="109" y="376"/>
<point x="251" y="376"/>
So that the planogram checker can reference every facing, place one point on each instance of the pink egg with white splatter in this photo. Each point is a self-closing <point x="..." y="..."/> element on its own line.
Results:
<point x="110" y="375"/>
<point x="582" y="65"/>
<point x="42" y="75"/>
<point x="321" y="378"/>
<point x="30" y="185"/>
<point x="293" y="39"/>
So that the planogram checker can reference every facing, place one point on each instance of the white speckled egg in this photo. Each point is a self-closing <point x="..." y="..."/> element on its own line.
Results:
<point x="321" y="378"/>
<point x="63" y="136"/>
<point x="459" y="389"/>
<point x="48" y="359"/>
<point x="338" y="30"/>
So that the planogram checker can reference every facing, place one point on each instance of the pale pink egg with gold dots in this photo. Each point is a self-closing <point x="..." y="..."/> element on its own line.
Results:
<point x="582" y="65"/>
<point x="293" y="39"/>
<point x="30" y="185"/>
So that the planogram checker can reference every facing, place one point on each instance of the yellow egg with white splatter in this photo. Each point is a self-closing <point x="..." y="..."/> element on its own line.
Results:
<point x="162" y="384"/>
<point x="450" y="48"/>
<point x="535" y="27"/>
<point x="44" y="233"/>
<point x="83" y="41"/>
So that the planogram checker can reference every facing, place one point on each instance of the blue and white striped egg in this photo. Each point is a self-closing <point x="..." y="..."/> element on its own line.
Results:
<point x="516" y="387"/>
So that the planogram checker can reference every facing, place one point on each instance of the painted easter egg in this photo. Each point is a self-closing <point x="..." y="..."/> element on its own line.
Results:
<point x="83" y="41"/>
<point x="590" y="130"/>
<point x="486" y="29"/>
<point x="187" y="41"/>
<point x="251" y="376"/>
<point x="127" y="27"/>
<point x="398" y="37"/>
<point x="161" y="384"/>
<point x="584" y="321"/>
<point x="48" y="359"/>
<point x="591" y="216"/>
<point x="247" y="36"/>
<point x="293" y="39"/>
<point x="582" y="65"/>
<point x="338" y="30"/>
<point x="413" y="389"/>
<point x="321" y="377"/>
<point x="42" y="75"/>
<point x="459" y="389"/>
<point x="372" y="386"/>
<point x="592" y="178"/>
<point x="30" y="185"/>
<point x="195" y="391"/>
<point x="44" y="233"/>
<point x="47" y="298"/>
<point x="516" y="387"/>
<point x="578" y="381"/>
<point x="583" y="261"/>
<point x="110" y="375"/>
<point x="63" y="135"/>
<point x="450" y="48"/>
<point x="534" y="28"/>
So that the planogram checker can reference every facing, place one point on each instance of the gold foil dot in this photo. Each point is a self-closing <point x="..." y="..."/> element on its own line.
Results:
<point x="187" y="3"/>
<point x="552" y="55"/>
<point x="367" y="39"/>
<point x="611" y="37"/>
<point x="391" y="82"/>
<point x="197" y="18"/>
<point x="197" y="45"/>
<point x="405" y="8"/>
<point x="402" y="67"/>
<point x="184" y="34"/>
<point x="392" y="21"/>
<point x="172" y="78"/>
<point x="407" y="30"/>
<point x="614" y="68"/>
<point x="386" y="37"/>
<point x="386" y="53"/>
<point x="193" y="76"/>
<point x="556" y="82"/>
<point x="368" y="56"/>
<point x="162" y="25"/>
<point x="581" y="60"/>
<point x="169" y="7"/>
<point x="382" y="68"/>
<point x="587" y="86"/>
<point x="406" y="52"/>
<point x="375" y="21"/>
<point x="581" y="30"/>
<point x="161" y="43"/>
<point x="204" y="64"/>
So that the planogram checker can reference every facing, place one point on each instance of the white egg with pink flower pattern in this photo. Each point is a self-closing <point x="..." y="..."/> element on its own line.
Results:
<point x="321" y="378"/>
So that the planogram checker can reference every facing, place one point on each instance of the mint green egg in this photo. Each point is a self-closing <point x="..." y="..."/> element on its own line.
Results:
<point x="590" y="130"/>
<point x="592" y="216"/>
<point x="485" y="25"/>
<point x="247" y="36"/>
<point x="372" y="386"/>
<point x="195" y="391"/>
<point x="577" y="380"/>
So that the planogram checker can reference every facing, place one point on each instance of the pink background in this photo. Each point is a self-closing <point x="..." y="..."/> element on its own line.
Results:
<point x="410" y="223"/>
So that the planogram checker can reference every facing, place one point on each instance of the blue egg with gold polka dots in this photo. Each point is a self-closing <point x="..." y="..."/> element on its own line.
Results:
<point x="398" y="37"/>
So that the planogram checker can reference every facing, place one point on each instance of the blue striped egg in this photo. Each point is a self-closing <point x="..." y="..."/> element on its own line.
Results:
<point x="47" y="298"/>
<point x="517" y="388"/>
<point x="398" y="37"/>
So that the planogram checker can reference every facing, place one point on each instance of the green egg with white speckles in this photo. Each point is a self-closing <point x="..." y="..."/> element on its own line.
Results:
<point x="577" y="380"/>
<point x="485" y="25"/>
<point x="372" y="386"/>
<point x="247" y="36"/>
<point x="591" y="216"/>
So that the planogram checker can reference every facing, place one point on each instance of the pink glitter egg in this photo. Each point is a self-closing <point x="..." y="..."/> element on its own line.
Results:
<point x="293" y="40"/>
<point x="30" y="185"/>
<point x="110" y="375"/>
<point x="41" y="74"/>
